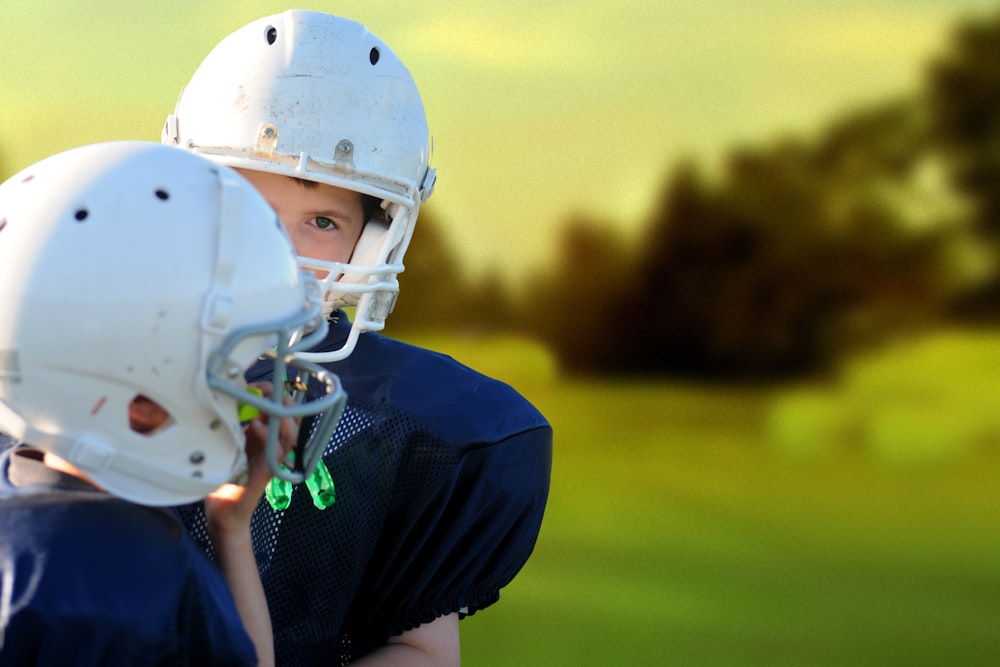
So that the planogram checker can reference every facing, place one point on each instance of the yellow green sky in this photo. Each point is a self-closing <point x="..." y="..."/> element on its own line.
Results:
<point x="539" y="110"/>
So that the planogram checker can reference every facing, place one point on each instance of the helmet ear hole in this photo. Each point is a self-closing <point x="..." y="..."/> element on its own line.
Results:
<point x="146" y="416"/>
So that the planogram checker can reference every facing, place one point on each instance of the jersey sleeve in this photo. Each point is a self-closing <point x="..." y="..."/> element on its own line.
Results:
<point x="458" y="539"/>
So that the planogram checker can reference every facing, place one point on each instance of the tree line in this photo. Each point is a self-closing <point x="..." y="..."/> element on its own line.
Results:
<point x="885" y="222"/>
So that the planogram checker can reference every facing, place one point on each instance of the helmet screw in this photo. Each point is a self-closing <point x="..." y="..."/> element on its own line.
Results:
<point x="268" y="132"/>
<point x="197" y="457"/>
<point x="345" y="146"/>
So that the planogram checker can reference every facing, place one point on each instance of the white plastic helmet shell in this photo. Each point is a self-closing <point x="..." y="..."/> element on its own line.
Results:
<point x="131" y="268"/>
<point x="318" y="97"/>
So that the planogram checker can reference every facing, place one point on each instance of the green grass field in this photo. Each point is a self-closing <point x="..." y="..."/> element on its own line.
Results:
<point x="705" y="526"/>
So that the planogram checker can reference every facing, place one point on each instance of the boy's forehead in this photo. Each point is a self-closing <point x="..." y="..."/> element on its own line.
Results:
<point x="283" y="187"/>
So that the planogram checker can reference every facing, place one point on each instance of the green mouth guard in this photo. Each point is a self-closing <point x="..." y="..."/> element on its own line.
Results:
<point x="319" y="483"/>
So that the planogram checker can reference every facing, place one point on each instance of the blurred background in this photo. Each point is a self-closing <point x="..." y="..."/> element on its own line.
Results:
<point x="744" y="256"/>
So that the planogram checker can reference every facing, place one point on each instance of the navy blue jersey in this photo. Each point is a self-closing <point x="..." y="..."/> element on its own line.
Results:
<point x="95" y="580"/>
<point x="441" y="478"/>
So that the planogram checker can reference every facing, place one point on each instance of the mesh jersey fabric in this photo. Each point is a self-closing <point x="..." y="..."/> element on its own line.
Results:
<point x="95" y="580"/>
<point x="441" y="478"/>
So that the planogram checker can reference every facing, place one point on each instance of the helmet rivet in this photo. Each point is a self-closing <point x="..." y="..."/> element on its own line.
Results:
<point x="268" y="132"/>
<point x="234" y="371"/>
<point x="197" y="457"/>
<point x="345" y="146"/>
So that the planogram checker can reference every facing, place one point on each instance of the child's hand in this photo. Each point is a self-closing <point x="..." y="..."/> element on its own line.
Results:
<point x="230" y="507"/>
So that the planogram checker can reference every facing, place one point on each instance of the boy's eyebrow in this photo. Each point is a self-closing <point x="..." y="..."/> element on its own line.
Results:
<point x="327" y="212"/>
<point x="304" y="182"/>
<point x="331" y="212"/>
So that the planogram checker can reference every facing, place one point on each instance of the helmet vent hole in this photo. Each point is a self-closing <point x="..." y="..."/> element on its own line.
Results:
<point x="373" y="55"/>
<point x="81" y="214"/>
<point x="271" y="34"/>
<point x="162" y="195"/>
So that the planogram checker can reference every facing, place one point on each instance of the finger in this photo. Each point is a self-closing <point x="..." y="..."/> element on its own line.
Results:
<point x="266" y="388"/>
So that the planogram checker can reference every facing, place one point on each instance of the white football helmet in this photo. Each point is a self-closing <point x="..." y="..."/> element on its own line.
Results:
<point x="131" y="269"/>
<point x="315" y="96"/>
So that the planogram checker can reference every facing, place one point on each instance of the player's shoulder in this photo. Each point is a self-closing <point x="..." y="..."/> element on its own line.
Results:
<point x="454" y="399"/>
<point x="88" y="522"/>
<point x="108" y="572"/>
<point x="121" y="546"/>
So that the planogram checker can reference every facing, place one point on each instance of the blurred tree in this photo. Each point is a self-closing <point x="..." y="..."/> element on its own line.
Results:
<point x="433" y="289"/>
<point x="491" y="306"/>
<point x="727" y="285"/>
<point x="437" y="295"/>
<point x="574" y="308"/>
<point x="964" y="92"/>
<point x="912" y="234"/>
<point x="800" y="252"/>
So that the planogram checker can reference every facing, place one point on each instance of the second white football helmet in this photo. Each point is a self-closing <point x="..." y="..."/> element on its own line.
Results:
<point x="132" y="270"/>
<point x="318" y="97"/>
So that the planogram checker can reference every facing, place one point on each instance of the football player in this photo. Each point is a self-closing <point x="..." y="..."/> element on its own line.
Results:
<point x="137" y="284"/>
<point x="441" y="473"/>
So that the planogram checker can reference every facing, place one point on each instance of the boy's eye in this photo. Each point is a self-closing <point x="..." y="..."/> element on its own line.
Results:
<point x="323" y="223"/>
